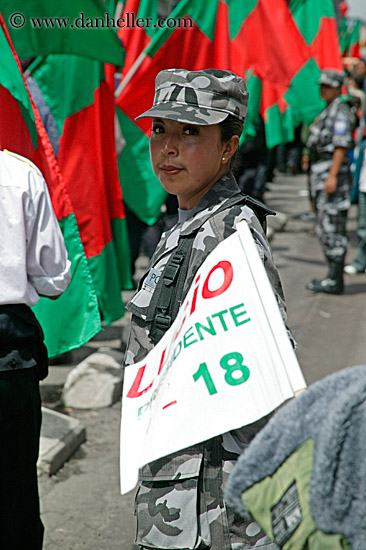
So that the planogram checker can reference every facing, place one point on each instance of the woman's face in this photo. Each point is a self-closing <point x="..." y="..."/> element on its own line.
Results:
<point x="187" y="158"/>
<point x="328" y="93"/>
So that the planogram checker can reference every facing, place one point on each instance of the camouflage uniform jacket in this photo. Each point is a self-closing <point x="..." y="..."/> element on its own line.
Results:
<point x="180" y="500"/>
<point x="331" y="129"/>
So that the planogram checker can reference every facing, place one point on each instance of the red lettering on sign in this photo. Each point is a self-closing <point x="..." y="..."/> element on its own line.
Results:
<point x="161" y="362"/>
<point x="169" y="404"/>
<point x="194" y="300"/>
<point x="135" y="388"/>
<point x="181" y="325"/>
<point x="228" y="277"/>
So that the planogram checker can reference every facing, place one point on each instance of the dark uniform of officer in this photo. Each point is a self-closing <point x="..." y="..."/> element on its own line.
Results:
<point x="331" y="179"/>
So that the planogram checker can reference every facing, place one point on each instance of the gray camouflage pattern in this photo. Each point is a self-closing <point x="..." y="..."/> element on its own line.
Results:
<point x="180" y="504"/>
<point x="331" y="77"/>
<point x="198" y="97"/>
<point x="333" y="128"/>
<point x="331" y="226"/>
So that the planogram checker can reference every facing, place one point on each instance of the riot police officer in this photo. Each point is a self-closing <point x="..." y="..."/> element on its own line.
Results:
<point x="330" y="178"/>
<point x="197" y="119"/>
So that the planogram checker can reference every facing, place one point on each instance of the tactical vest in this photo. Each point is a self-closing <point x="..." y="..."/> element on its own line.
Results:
<point x="167" y="298"/>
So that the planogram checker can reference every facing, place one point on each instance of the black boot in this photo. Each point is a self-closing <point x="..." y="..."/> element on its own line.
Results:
<point x="333" y="284"/>
<point x="316" y="281"/>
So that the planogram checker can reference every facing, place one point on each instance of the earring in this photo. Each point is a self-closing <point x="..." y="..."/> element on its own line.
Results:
<point x="223" y="158"/>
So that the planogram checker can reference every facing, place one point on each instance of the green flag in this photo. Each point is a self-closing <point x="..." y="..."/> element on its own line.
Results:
<point x="80" y="27"/>
<point x="73" y="319"/>
<point x="350" y="37"/>
<point x="280" y="53"/>
<point x="311" y="43"/>
<point x="80" y="97"/>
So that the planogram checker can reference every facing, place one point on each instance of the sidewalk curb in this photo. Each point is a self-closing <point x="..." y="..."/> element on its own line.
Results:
<point x="61" y="435"/>
<point x="96" y="382"/>
<point x="275" y="224"/>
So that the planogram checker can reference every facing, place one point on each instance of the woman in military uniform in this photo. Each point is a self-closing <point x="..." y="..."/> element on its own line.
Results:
<point x="331" y="179"/>
<point x="197" y="120"/>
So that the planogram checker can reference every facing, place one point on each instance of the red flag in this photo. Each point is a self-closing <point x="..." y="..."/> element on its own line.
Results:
<point x="74" y="318"/>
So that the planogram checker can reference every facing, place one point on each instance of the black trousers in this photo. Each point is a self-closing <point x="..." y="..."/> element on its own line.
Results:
<point x="20" y="423"/>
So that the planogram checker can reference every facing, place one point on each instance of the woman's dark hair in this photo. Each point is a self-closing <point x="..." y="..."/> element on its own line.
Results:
<point x="230" y="127"/>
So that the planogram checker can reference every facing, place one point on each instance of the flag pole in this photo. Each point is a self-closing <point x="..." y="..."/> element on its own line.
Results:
<point x="130" y="73"/>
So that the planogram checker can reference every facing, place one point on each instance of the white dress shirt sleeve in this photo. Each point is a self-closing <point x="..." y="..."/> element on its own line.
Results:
<point x="48" y="267"/>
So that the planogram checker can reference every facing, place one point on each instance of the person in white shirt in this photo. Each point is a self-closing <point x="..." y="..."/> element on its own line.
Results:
<point x="33" y="263"/>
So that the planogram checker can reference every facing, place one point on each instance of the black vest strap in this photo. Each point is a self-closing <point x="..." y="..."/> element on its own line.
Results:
<point x="166" y="299"/>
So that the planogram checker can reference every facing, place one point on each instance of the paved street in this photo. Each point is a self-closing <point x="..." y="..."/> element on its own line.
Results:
<point x="81" y="505"/>
<point x="330" y="330"/>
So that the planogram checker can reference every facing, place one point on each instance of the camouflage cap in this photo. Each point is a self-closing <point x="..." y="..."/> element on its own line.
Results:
<point x="331" y="77"/>
<point x="198" y="97"/>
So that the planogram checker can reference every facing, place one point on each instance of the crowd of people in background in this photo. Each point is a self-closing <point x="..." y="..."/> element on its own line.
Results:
<point x="258" y="165"/>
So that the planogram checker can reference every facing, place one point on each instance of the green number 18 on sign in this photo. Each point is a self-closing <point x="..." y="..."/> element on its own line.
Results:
<point x="236" y="372"/>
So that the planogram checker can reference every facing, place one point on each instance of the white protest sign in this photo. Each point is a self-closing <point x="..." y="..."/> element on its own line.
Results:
<point x="225" y="362"/>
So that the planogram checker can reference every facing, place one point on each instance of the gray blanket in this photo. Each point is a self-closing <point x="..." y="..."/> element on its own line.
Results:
<point x="333" y="413"/>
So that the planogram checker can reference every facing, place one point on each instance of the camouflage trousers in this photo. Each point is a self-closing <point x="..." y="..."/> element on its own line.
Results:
<point x="331" y="221"/>
<point x="331" y="210"/>
<point x="180" y="503"/>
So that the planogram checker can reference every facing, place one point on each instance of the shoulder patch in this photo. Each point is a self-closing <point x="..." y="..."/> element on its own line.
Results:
<point x="340" y="127"/>
<point x="152" y="278"/>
